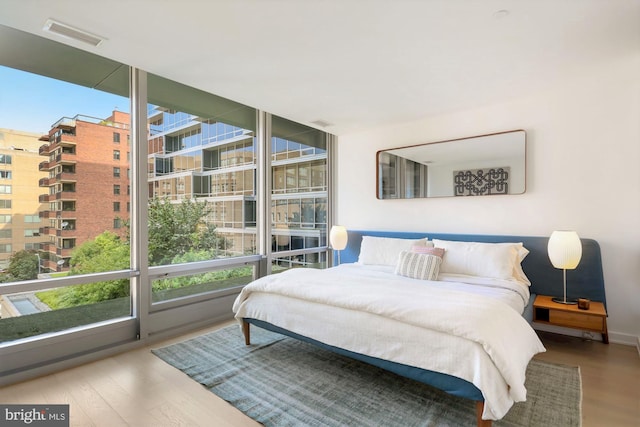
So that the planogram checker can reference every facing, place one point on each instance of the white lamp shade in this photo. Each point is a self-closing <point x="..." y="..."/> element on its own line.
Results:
<point x="338" y="237"/>
<point x="565" y="249"/>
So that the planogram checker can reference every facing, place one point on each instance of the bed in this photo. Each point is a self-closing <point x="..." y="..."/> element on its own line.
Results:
<point x="464" y="330"/>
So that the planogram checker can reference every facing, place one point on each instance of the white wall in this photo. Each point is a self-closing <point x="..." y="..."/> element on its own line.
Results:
<point x="583" y="173"/>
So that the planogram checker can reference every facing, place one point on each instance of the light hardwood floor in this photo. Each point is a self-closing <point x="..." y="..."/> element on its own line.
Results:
<point x="138" y="389"/>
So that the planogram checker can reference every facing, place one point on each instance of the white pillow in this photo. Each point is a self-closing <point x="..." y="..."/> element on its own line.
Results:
<point x="418" y="266"/>
<point x="497" y="260"/>
<point x="385" y="250"/>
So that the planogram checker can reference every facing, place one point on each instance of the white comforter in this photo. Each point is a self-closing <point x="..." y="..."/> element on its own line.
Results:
<point x="431" y="325"/>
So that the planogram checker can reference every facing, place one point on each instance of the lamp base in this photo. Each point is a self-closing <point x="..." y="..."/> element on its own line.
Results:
<point x="561" y="300"/>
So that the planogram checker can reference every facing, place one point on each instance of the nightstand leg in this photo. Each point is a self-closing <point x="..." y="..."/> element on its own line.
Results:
<point x="605" y="334"/>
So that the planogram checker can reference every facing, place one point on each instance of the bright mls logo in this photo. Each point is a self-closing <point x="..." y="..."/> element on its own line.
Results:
<point x="34" y="415"/>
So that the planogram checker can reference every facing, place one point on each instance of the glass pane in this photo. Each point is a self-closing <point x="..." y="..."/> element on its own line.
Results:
<point x="167" y="289"/>
<point x="63" y="208"/>
<point x="202" y="171"/>
<point x="32" y="313"/>
<point x="299" y="191"/>
<point x="313" y="260"/>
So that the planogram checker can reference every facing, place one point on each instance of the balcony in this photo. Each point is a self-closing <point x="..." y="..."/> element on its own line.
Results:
<point x="46" y="214"/>
<point x="63" y="195"/>
<point x="49" y="265"/>
<point x="44" y="149"/>
<point x="62" y="159"/>
<point x="65" y="140"/>
<point x="44" y="182"/>
<point x="64" y="253"/>
<point x="66" y="177"/>
<point x="66" y="214"/>
<point x="43" y="198"/>
<point x="68" y="233"/>
<point x="43" y="166"/>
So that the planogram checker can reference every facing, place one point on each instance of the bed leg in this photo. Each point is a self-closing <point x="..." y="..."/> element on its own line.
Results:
<point x="245" y="332"/>
<point x="479" y="410"/>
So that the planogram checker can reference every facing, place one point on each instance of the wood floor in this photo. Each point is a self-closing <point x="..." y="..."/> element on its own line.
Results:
<point x="138" y="389"/>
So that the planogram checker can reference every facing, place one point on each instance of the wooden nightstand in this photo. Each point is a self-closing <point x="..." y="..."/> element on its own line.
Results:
<point x="570" y="316"/>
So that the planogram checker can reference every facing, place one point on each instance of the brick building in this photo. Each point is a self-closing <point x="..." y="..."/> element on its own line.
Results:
<point x="88" y="183"/>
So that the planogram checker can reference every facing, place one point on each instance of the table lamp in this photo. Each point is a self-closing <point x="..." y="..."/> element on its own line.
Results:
<point x="565" y="251"/>
<point x="338" y="239"/>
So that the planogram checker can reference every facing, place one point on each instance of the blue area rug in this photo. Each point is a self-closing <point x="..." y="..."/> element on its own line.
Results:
<point x="279" y="381"/>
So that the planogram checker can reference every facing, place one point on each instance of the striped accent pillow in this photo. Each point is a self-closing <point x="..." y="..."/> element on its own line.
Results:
<point x="418" y="266"/>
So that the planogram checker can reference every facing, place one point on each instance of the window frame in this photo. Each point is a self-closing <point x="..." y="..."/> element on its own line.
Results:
<point x="147" y="321"/>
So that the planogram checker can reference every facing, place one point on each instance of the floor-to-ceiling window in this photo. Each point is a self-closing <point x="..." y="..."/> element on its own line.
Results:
<point x="64" y="221"/>
<point x="299" y="195"/>
<point x="202" y="200"/>
<point x="140" y="209"/>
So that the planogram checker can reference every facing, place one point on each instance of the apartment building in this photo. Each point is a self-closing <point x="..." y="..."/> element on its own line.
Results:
<point x="19" y="204"/>
<point x="216" y="162"/>
<point x="87" y="182"/>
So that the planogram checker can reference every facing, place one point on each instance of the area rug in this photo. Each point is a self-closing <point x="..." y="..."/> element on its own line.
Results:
<point x="280" y="381"/>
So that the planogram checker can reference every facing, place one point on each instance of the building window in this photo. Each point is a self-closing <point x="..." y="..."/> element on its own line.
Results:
<point x="5" y="204"/>
<point x="128" y="206"/>
<point x="116" y="154"/>
<point x="5" y="189"/>
<point x="116" y="206"/>
<point x="32" y="218"/>
<point x="5" y="159"/>
<point x="116" y="137"/>
<point x="117" y="223"/>
<point x="5" y="234"/>
<point x="32" y="246"/>
<point x="116" y="172"/>
<point x="5" y="248"/>
<point x="5" y="219"/>
<point x="116" y="189"/>
<point x="128" y="190"/>
<point x="32" y="233"/>
<point x="5" y="174"/>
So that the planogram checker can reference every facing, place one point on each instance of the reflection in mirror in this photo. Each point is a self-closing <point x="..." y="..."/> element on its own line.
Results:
<point x="475" y="166"/>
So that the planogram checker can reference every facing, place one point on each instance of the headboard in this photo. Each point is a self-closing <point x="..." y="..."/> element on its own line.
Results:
<point x="586" y="281"/>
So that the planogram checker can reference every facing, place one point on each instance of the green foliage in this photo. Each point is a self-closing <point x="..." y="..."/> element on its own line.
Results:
<point x="177" y="229"/>
<point x="105" y="253"/>
<point x="178" y="233"/>
<point x="23" y="265"/>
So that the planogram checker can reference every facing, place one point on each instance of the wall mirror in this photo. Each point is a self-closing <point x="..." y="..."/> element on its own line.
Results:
<point x="481" y="165"/>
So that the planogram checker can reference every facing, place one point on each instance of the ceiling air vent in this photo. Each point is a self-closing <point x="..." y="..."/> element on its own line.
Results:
<point x="70" y="32"/>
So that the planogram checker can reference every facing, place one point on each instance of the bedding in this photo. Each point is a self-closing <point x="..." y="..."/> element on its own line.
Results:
<point x="385" y="250"/>
<point x="438" y="325"/>
<point x="499" y="260"/>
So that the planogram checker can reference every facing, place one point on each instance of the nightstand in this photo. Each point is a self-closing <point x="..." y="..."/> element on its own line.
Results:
<point x="570" y="316"/>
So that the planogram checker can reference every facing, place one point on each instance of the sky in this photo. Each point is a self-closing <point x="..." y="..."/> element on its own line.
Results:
<point x="32" y="103"/>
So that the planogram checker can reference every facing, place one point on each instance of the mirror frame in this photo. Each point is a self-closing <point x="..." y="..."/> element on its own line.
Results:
<point x="468" y="174"/>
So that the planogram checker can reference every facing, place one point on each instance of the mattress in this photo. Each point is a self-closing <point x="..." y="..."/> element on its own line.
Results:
<point x="472" y="330"/>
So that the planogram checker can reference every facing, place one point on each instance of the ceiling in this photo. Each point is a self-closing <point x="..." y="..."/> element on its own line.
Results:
<point x="354" y="64"/>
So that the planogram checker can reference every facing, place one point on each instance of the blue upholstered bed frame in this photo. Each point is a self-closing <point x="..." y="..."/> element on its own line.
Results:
<point x="584" y="282"/>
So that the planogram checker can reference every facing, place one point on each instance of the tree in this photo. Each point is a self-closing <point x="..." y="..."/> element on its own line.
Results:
<point x="177" y="233"/>
<point x="176" y="229"/>
<point x="23" y="265"/>
<point x="105" y="253"/>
